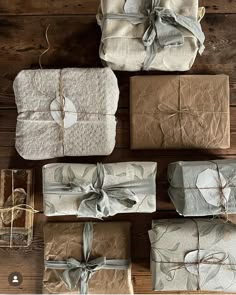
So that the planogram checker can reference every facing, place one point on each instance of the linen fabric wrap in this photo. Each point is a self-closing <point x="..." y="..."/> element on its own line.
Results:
<point x="170" y="112"/>
<point x="193" y="254"/>
<point x="67" y="112"/>
<point x="122" y="47"/>
<point x="203" y="188"/>
<point x="110" y="240"/>
<point x="66" y="188"/>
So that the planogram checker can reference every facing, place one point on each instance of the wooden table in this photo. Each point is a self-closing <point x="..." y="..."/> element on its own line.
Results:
<point x="75" y="37"/>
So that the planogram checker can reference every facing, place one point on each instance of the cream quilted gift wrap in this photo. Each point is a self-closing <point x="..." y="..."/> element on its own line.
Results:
<point x="161" y="35"/>
<point x="67" y="112"/>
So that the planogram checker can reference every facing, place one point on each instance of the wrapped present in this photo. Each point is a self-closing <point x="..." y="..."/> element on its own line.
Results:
<point x="68" y="112"/>
<point x="203" y="188"/>
<point x="100" y="190"/>
<point x="103" y="268"/>
<point x="193" y="255"/>
<point x="16" y="208"/>
<point x="161" y="35"/>
<point x="170" y="112"/>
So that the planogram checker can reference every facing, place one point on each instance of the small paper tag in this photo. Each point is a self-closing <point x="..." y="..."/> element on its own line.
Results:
<point x="134" y="6"/>
<point x="206" y="257"/>
<point x="70" y="112"/>
<point x="209" y="185"/>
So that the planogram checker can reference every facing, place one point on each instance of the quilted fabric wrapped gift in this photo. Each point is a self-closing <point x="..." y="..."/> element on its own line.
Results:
<point x="87" y="258"/>
<point x="68" y="112"/>
<point x="203" y="188"/>
<point x="193" y="255"/>
<point x="161" y="35"/>
<point x="100" y="190"/>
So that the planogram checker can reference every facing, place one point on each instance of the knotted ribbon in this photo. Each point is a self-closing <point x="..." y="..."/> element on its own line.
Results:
<point x="100" y="200"/>
<point x="79" y="273"/>
<point x="164" y="28"/>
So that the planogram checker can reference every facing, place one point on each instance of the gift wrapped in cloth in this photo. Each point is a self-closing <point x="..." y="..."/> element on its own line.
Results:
<point x="100" y="190"/>
<point x="161" y="35"/>
<point x="87" y="258"/>
<point x="180" y="112"/>
<point x="193" y="255"/>
<point x="68" y="112"/>
<point x="203" y="188"/>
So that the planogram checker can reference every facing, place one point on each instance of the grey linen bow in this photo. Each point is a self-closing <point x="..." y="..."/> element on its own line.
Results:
<point x="100" y="200"/>
<point x="81" y="272"/>
<point x="164" y="28"/>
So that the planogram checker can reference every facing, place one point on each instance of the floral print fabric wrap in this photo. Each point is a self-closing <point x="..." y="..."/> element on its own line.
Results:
<point x="193" y="254"/>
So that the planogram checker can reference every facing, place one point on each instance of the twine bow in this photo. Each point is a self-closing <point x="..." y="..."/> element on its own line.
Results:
<point x="22" y="207"/>
<point x="100" y="200"/>
<point x="79" y="273"/>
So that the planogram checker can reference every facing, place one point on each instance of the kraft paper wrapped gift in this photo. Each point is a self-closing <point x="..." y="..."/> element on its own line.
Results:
<point x="68" y="112"/>
<point x="193" y="255"/>
<point x="169" y="112"/>
<point x="161" y="35"/>
<point x="87" y="258"/>
<point x="16" y="208"/>
<point x="100" y="190"/>
<point x="203" y="188"/>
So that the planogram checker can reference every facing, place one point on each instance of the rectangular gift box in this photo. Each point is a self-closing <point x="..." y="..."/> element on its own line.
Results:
<point x="101" y="190"/>
<point x="165" y="35"/>
<point x="106" y="248"/>
<point x="16" y="208"/>
<point x="179" y="112"/>
<point x="193" y="255"/>
<point x="68" y="112"/>
<point x="203" y="188"/>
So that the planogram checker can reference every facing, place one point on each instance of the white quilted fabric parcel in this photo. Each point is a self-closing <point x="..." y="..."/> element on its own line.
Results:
<point x="68" y="112"/>
<point x="161" y="35"/>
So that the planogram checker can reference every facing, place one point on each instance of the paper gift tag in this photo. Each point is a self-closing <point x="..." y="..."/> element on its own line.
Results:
<point x="207" y="258"/>
<point x="209" y="182"/>
<point x="70" y="112"/>
<point x="134" y="6"/>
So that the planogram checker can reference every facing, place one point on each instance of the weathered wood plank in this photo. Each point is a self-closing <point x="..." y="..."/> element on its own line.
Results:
<point x="75" y="42"/>
<point x="49" y="7"/>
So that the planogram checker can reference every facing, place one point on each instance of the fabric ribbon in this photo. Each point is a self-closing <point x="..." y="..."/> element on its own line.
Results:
<point x="79" y="273"/>
<point x="100" y="200"/>
<point x="164" y="29"/>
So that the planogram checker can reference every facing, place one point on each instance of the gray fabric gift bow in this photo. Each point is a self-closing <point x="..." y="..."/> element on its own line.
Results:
<point x="164" y="28"/>
<point x="101" y="200"/>
<point x="81" y="272"/>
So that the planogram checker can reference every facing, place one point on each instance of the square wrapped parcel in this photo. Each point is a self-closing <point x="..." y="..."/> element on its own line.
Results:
<point x="89" y="258"/>
<point x="202" y="188"/>
<point x="99" y="191"/>
<point x="160" y="35"/>
<point x="68" y="112"/>
<point x="180" y="112"/>
<point x="193" y="255"/>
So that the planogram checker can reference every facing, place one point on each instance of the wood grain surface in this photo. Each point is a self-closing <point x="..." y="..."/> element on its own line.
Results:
<point x="74" y="37"/>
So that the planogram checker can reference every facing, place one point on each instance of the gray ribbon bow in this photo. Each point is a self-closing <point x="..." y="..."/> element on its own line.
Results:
<point x="100" y="200"/>
<point x="81" y="272"/>
<point x="164" y="28"/>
